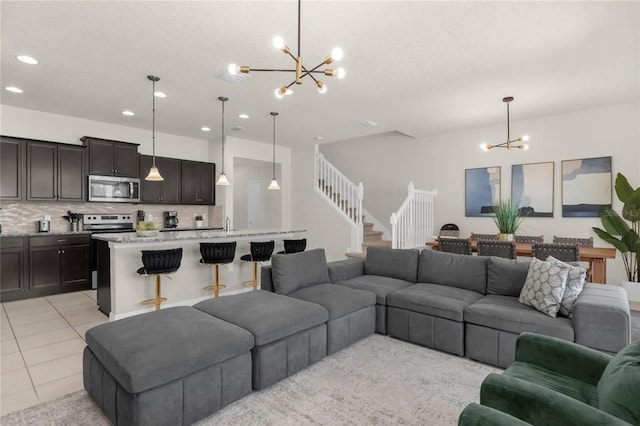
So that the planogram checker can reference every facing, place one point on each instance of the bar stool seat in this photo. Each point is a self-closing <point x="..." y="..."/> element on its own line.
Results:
<point x="260" y="252"/>
<point x="159" y="262"/>
<point x="294" y="246"/>
<point x="217" y="254"/>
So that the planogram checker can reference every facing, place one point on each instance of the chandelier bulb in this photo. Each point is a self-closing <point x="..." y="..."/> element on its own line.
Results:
<point x="341" y="72"/>
<point x="280" y="92"/>
<point x="524" y="146"/>
<point x="322" y="88"/>
<point x="337" y="53"/>
<point x="525" y="138"/>
<point x="484" y="147"/>
<point x="233" y="69"/>
<point x="278" y="42"/>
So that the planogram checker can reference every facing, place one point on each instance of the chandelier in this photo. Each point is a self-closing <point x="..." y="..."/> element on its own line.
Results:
<point x="300" y="70"/>
<point x="509" y="143"/>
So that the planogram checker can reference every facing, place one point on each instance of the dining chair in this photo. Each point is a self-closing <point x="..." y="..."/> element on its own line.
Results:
<point x="449" y="230"/>
<point x="529" y="239"/>
<point x="506" y="249"/>
<point x="582" y="242"/>
<point x="455" y="245"/>
<point x="563" y="252"/>
<point x="485" y="237"/>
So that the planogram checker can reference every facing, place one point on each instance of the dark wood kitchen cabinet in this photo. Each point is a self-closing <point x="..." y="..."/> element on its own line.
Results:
<point x="160" y="192"/>
<point x="198" y="183"/>
<point x="59" y="263"/>
<point x="111" y="158"/>
<point x="12" y="168"/>
<point x="55" y="171"/>
<point x="13" y="268"/>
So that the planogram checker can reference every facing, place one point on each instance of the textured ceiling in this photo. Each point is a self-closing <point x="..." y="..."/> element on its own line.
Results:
<point x="421" y="68"/>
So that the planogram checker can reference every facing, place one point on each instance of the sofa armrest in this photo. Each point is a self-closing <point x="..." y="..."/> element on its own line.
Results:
<point x="345" y="269"/>
<point x="538" y="405"/>
<point x="601" y="318"/>
<point x="561" y="356"/>
<point x="266" y="282"/>
<point x="479" y="415"/>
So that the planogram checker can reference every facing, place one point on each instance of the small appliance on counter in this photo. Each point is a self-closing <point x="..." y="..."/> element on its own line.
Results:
<point x="44" y="225"/>
<point x="74" y="220"/>
<point x="171" y="219"/>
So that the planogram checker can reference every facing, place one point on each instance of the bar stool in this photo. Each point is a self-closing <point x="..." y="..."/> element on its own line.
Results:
<point x="159" y="262"/>
<point x="294" y="246"/>
<point x="260" y="252"/>
<point x="217" y="254"/>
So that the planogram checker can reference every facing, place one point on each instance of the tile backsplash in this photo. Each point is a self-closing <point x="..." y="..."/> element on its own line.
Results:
<point x="22" y="216"/>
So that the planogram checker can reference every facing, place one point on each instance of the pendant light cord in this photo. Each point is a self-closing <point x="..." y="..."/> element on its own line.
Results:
<point x="299" y="2"/>
<point x="508" y="130"/>
<point x="153" y="119"/>
<point x="274" y="147"/>
<point x="223" y="137"/>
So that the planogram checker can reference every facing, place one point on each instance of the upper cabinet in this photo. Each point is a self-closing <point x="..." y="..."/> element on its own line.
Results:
<point x="111" y="158"/>
<point x="55" y="172"/>
<point x="12" y="169"/>
<point x="198" y="186"/>
<point x="160" y="192"/>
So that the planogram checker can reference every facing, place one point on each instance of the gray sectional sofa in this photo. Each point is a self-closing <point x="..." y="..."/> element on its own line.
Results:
<point x="468" y="305"/>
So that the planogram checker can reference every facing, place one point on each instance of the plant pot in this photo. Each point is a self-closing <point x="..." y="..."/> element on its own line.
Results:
<point x="632" y="289"/>
<point x="147" y="233"/>
<point x="505" y="237"/>
<point x="198" y="224"/>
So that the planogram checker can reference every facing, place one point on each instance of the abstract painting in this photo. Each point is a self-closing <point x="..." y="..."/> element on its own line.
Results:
<point x="532" y="188"/>
<point x="586" y="186"/>
<point x="482" y="191"/>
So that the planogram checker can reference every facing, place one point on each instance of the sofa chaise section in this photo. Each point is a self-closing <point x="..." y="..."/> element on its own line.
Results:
<point x="381" y="272"/>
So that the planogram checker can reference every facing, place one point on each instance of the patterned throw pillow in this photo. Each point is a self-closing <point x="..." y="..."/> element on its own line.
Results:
<point x="575" y="283"/>
<point x="544" y="287"/>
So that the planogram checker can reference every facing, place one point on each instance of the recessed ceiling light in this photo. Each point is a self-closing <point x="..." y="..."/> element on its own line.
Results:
<point x="243" y="115"/>
<point x="205" y="129"/>
<point x="159" y="94"/>
<point x="370" y="123"/>
<point x="27" y="59"/>
<point x="129" y="113"/>
<point x="318" y="138"/>
<point x="13" y="89"/>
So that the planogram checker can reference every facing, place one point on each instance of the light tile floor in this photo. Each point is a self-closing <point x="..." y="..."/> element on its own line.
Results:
<point x="41" y="348"/>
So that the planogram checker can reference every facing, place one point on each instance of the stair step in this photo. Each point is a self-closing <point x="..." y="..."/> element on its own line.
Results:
<point x="355" y="254"/>
<point x="367" y="226"/>
<point x="367" y="232"/>
<point x="379" y="243"/>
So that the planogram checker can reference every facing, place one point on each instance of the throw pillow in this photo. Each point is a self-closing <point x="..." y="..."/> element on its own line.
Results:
<point x="291" y="272"/>
<point x="619" y="385"/>
<point x="544" y="287"/>
<point x="575" y="283"/>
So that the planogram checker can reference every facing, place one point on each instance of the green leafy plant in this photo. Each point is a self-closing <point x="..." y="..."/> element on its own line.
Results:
<point x="146" y="226"/>
<point x="618" y="232"/>
<point x="508" y="217"/>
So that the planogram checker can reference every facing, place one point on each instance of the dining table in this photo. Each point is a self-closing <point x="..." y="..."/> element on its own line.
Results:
<point x="595" y="256"/>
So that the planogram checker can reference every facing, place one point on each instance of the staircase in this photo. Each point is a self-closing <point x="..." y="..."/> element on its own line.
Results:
<point x="371" y="238"/>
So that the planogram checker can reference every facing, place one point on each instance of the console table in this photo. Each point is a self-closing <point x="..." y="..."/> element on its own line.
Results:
<point x="596" y="256"/>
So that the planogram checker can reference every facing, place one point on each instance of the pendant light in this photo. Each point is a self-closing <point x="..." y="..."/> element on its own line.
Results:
<point x="154" y="173"/>
<point x="222" y="179"/>
<point x="510" y="143"/>
<point x="274" y="181"/>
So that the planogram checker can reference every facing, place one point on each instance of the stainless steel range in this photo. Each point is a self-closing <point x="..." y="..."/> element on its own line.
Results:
<point x="100" y="223"/>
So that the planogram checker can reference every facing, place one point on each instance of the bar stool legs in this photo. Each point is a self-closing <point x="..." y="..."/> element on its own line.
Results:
<point x="254" y="282"/>
<point x="216" y="286"/>
<point x="158" y="299"/>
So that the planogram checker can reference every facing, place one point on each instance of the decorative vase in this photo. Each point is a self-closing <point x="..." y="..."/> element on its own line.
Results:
<point x="198" y="224"/>
<point x="632" y="289"/>
<point x="505" y="237"/>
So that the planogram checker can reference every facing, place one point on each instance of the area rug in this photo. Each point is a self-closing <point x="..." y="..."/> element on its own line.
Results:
<point x="379" y="380"/>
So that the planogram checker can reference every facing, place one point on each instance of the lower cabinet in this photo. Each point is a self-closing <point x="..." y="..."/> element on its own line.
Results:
<point x="13" y="268"/>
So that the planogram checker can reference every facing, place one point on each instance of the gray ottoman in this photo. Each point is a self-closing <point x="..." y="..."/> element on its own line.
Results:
<point x="289" y="334"/>
<point x="169" y="367"/>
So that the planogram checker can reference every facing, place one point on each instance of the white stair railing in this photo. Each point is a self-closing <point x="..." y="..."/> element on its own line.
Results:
<point x="412" y="224"/>
<point x="342" y="194"/>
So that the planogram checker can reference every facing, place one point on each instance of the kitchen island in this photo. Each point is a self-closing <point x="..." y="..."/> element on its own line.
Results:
<point x="121" y="289"/>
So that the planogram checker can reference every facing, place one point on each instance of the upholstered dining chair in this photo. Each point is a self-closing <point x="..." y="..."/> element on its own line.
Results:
<point x="582" y="242"/>
<point x="455" y="245"/>
<point x="529" y="238"/>
<point x="563" y="252"/>
<point x="485" y="237"/>
<point x="506" y="249"/>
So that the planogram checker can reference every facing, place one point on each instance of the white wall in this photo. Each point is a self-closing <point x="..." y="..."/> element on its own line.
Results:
<point x="270" y="211"/>
<point x="32" y="124"/>
<point x="608" y="131"/>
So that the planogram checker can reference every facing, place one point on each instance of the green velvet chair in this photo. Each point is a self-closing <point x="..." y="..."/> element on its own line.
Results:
<point x="553" y="381"/>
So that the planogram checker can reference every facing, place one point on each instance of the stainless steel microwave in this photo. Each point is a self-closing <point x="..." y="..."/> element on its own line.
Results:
<point x="114" y="189"/>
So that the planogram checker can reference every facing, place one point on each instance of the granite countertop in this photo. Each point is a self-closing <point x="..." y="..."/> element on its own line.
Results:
<point x="41" y="234"/>
<point x="131" y="237"/>
<point x="206" y="228"/>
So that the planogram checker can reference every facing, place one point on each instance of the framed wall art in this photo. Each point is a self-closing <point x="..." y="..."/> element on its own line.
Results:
<point x="482" y="190"/>
<point x="532" y="188"/>
<point x="586" y="186"/>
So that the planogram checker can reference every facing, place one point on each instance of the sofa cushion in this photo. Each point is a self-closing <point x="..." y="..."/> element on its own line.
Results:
<point x="434" y="299"/>
<point x="507" y="314"/>
<point x="467" y="272"/>
<point x="619" y="386"/>
<point x="544" y="286"/>
<point x="152" y="349"/>
<point x="380" y="286"/>
<point x="394" y="263"/>
<point x="294" y="271"/>
<point x="575" y="282"/>
<point x="268" y="316"/>
<point x="337" y="299"/>
<point x="506" y="277"/>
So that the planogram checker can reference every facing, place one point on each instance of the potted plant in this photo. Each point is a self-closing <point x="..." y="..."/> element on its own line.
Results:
<point x="621" y="231"/>
<point x="508" y="218"/>
<point x="199" y="218"/>
<point x="146" y="229"/>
